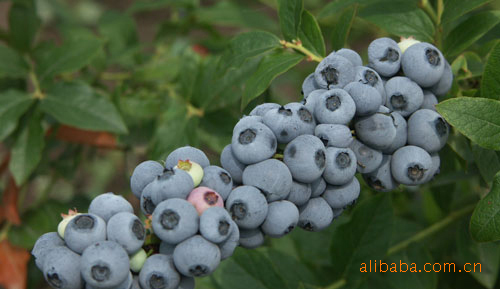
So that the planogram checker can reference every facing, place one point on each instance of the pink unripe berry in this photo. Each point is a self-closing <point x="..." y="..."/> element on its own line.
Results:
<point x="203" y="198"/>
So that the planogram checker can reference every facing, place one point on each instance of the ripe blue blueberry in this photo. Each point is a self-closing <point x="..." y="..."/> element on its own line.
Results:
<point x="304" y="118"/>
<point x="187" y="153"/>
<point x="175" y="220"/>
<point x="196" y="257"/>
<point x="366" y="97"/>
<point x="109" y="204"/>
<point x="299" y="194"/>
<point x="232" y="165"/>
<point x="215" y="224"/>
<point x="172" y="183"/>
<point x="144" y="174"/>
<point x="381" y="179"/>
<point x="271" y="177"/>
<point x="339" y="197"/>
<point x="159" y="272"/>
<point x="445" y="82"/>
<point x="334" y="135"/>
<point x="305" y="158"/>
<point x="229" y="245"/>
<point x="310" y="100"/>
<point x="340" y="165"/>
<point x="368" y="159"/>
<point x="84" y="230"/>
<point x="261" y="109"/>
<point x="309" y="85"/>
<point x="315" y="215"/>
<point x="61" y="268"/>
<point x="247" y="207"/>
<point x="218" y="179"/>
<point x="401" y="133"/>
<point x="251" y="238"/>
<point x="368" y="76"/>
<point x="428" y="130"/>
<point x="253" y="142"/>
<point x="430" y="101"/>
<point x="46" y="242"/>
<point x="411" y="165"/>
<point x="127" y="230"/>
<point x="281" y="219"/>
<point x="423" y="63"/>
<point x="318" y="187"/>
<point x="334" y="71"/>
<point x="334" y="106"/>
<point x="377" y="130"/>
<point x="403" y="95"/>
<point x="287" y="124"/>
<point x="384" y="56"/>
<point x="350" y="55"/>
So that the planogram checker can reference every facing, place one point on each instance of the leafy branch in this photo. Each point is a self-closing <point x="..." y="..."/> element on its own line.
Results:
<point x="297" y="45"/>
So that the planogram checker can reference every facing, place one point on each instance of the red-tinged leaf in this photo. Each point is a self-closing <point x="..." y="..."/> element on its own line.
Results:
<point x="8" y="208"/>
<point x="99" y="139"/>
<point x="13" y="266"/>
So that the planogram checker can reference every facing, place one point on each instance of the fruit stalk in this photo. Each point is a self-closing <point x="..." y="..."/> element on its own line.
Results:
<point x="297" y="45"/>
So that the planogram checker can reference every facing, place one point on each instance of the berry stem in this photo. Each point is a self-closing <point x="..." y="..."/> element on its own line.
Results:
<point x="278" y="156"/>
<point x="37" y="91"/>
<point x="297" y="45"/>
<point x="426" y="6"/>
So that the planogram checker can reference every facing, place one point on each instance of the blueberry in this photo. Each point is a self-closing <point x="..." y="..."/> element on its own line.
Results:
<point x="253" y="142"/>
<point x="403" y="95"/>
<point x="350" y="55"/>
<point x="411" y="165"/>
<point x="83" y="230"/>
<point x="384" y="109"/>
<point x="175" y="220"/>
<point x="215" y="224"/>
<point x="187" y="153"/>
<point x="366" y="97"/>
<point x="370" y="77"/>
<point x="105" y="264"/>
<point x="218" y="179"/>
<point x="300" y="193"/>
<point x="334" y="106"/>
<point x="308" y="85"/>
<point x="231" y="164"/>
<point x="436" y="163"/>
<point x="172" y="183"/>
<point x="159" y="272"/>
<point x="166" y="249"/>
<point x="338" y="197"/>
<point x="445" y="82"/>
<point x="430" y="101"/>
<point x="149" y="198"/>
<point x="334" y="71"/>
<point x="310" y="100"/>
<point x="384" y="56"/>
<point x="186" y="283"/>
<point x="287" y="124"/>
<point x="261" y="109"/>
<point x="340" y="165"/>
<point x="251" y="238"/>
<point x="305" y="157"/>
<point x="144" y="174"/>
<point x="126" y="284"/>
<point x="127" y="230"/>
<point x="109" y="204"/>
<point x="318" y="187"/>
<point x="316" y="215"/>
<point x="271" y="177"/>
<point x="247" y="207"/>
<point x="368" y="159"/>
<point x="43" y="244"/>
<point x="61" y="268"/>
<point x="281" y="219"/>
<point x="377" y="130"/>
<point x="401" y="133"/>
<point x="196" y="257"/>
<point x="423" y="63"/>
<point x="334" y="135"/>
<point x="248" y="120"/>
<point x="381" y="179"/>
<point x="228" y="246"/>
<point x="428" y="130"/>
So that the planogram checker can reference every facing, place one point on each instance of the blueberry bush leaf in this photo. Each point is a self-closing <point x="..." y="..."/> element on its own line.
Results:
<point x="24" y="24"/>
<point x="77" y="104"/>
<point x="13" y="104"/>
<point x="290" y="13"/>
<point x="490" y="84"/>
<point x="310" y="34"/>
<point x="476" y="118"/>
<point x="487" y="162"/>
<point x="365" y="237"/>
<point x="469" y="31"/>
<point x="13" y="64"/>
<point x="27" y="150"/>
<point x="343" y="27"/>
<point x="485" y="220"/>
<point x="414" y="254"/>
<point x="456" y="8"/>
<point x="269" y="68"/>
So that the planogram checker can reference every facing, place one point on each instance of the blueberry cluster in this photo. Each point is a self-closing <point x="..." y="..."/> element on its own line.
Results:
<point x="286" y="166"/>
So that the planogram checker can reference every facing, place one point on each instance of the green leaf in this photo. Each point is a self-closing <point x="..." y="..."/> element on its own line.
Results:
<point x="401" y="19"/>
<point x="69" y="57"/>
<point x="23" y="24"/>
<point x="290" y="12"/>
<point x="485" y="220"/>
<point x="27" y="150"/>
<point x="13" y="64"/>
<point x="486" y="161"/>
<point x="269" y="68"/>
<point x="76" y="104"/>
<point x="490" y="84"/>
<point x="120" y="32"/>
<point x="310" y="34"/>
<point x="366" y="237"/>
<point x="13" y="104"/>
<point x="414" y="255"/>
<point x="456" y="8"/>
<point x="476" y="118"/>
<point x="333" y="7"/>
<point x="292" y="270"/>
<point x="469" y="31"/>
<point x="248" y="45"/>
<point x="343" y="27"/>
<point x="249" y="269"/>
<point x="485" y="254"/>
